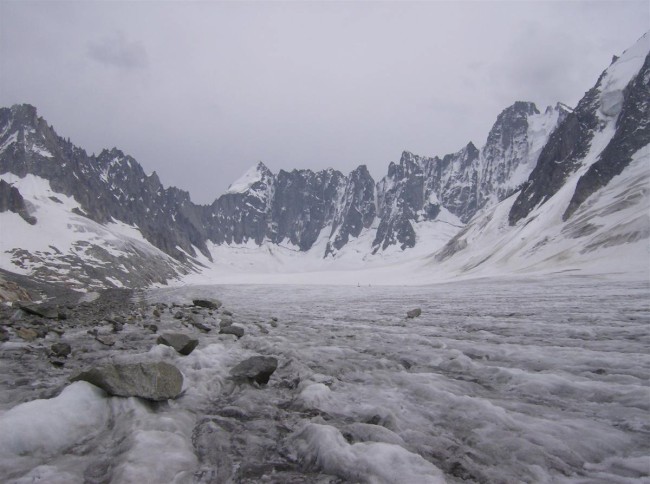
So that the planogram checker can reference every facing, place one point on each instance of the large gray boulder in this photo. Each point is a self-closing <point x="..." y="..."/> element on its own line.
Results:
<point x="151" y="381"/>
<point x="255" y="369"/>
<point x="182" y="343"/>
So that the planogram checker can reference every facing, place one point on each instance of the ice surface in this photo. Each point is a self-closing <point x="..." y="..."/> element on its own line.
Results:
<point x="499" y="380"/>
<point x="49" y="426"/>
<point x="519" y="380"/>
<point x="323" y="446"/>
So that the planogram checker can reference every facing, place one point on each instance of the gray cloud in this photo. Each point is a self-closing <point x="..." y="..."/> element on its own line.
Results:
<point x="116" y="51"/>
<point x="200" y="91"/>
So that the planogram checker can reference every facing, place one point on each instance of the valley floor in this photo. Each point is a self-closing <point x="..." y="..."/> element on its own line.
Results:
<point x="499" y="380"/>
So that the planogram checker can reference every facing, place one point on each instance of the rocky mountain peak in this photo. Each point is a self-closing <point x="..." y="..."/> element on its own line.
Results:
<point x="355" y="209"/>
<point x="113" y="153"/>
<point x="511" y="125"/>
<point x="24" y="115"/>
<point x="471" y="150"/>
<point x="258" y="177"/>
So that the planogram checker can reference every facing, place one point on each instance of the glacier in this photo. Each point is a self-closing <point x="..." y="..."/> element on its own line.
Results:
<point x="520" y="379"/>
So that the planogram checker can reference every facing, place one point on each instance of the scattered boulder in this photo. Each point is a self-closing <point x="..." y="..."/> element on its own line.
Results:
<point x="118" y="320"/>
<point x="27" y="334"/>
<point x="225" y="322"/>
<point x="413" y="313"/>
<point x="256" y="369"/>
<point x="156" y="313"/>
<point x="105" y="339"/>
<point x="232" y="329"/>
<point x="61" y="349"/>
<point x="4" y="335"/>
<point x="199" y="325"/>
<point x="182" y="343"/>
<point x="179" y="315"/>
<point x="225" y="312"/>
<point x="151" y="381"/>
<point x="207" y="303"/>
<point x="151" y="327"/>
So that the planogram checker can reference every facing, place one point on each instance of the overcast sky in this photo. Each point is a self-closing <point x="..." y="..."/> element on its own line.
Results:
<point x="200" y="91"/>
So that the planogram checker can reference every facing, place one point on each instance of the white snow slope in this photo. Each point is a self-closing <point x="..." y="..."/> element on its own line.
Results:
<point x="62" y="243"/>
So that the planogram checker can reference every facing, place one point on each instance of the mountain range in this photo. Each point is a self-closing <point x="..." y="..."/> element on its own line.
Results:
<point x="549" y="188"/>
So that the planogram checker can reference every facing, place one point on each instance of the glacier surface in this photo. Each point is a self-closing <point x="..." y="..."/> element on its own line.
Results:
<point x="529" y="379"/>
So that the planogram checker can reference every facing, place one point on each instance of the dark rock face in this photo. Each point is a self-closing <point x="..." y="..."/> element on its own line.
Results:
<point x="151" y="381"/>
<point x="356" y="209"/>
<point x="11" y="200"/>
<point x="454" y="179"/>
<point x="255" y="369"/>
<point x="304" y="203"/>
<point x="239" y="216"/>
<point x="632" y="134"/>
<point x="290" y="206"/>
<point x="400" y="196"/>
<point x="508" y="150"/>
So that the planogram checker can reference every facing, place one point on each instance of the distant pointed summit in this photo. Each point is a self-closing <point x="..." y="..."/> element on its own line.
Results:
<point x="255" y="174"/>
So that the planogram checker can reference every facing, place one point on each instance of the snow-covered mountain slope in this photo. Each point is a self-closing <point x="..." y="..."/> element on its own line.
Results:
<point x="609" y="125"/>
<point x="108" y="187"/>
<point x="598" y="155"/>
<point x="586" y="205"/>
<point x="608" y="234"/>
<point x="533" y="195"/>
<point x="62" y="245"/>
